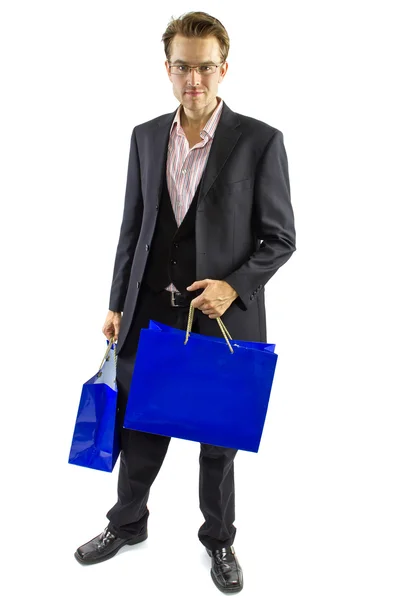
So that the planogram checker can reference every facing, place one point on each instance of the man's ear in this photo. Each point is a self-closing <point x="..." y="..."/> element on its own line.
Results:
<point x="167" y="68"/>
<point x="224" y="69"/>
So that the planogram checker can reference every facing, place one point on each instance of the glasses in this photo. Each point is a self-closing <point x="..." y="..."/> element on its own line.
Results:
<point x="185" y="69"/>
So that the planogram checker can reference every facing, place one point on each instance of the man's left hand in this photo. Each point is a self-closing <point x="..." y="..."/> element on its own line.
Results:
<point x="216" y="298"/>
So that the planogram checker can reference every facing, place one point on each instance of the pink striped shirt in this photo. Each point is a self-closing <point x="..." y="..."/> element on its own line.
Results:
<point x="185" y="166"/>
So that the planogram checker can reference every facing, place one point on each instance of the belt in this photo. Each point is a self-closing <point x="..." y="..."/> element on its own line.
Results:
<point x="177" y="299"/>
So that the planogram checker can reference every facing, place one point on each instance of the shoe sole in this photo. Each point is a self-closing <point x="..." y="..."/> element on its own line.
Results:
<point x="92" y="561"/>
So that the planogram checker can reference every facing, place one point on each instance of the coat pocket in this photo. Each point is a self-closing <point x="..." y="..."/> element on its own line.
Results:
<point x="230" y="187"/>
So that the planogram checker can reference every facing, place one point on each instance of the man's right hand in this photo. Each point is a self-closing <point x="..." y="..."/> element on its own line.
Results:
<point x="112" y="325"/>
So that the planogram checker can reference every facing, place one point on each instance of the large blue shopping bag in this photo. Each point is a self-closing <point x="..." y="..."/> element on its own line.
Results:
<point x="95" y="442"/>
<point x="200" y="388"/>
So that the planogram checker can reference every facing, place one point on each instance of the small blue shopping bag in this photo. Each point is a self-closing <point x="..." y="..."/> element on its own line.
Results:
<point x="200" y="388"/>
<point x="95" y="442"/>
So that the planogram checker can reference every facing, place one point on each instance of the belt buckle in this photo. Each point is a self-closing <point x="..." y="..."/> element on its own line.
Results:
<point x="173" y="299"/>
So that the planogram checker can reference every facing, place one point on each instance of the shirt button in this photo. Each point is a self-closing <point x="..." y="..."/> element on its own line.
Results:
<point x="176" y="245"/>
<point x="173" y="262"/>
<point x="147" y="247"/>
<point x="184" y="170"/>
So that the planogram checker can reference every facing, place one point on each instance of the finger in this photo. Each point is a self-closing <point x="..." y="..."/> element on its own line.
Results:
<point x="211" y="313"/>
<point x="196" y="285"/>
<point x="205" y="306"/>
<point x="109" y="332"/>
<point x="198" y="302"/>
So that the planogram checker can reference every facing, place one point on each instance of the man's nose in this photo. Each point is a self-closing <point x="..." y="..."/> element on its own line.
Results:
<point x="194" y="77"/>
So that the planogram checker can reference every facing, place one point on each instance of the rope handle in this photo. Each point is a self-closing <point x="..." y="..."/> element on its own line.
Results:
<point x="224" y="330"/>
<point x="105" y="357"/>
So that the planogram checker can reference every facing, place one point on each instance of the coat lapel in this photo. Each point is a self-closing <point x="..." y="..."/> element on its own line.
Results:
<point x="225" y="139"/>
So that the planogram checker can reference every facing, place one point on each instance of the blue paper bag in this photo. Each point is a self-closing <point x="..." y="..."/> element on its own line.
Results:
<point x="95" y="442"/>
<point x="200" y="391"/>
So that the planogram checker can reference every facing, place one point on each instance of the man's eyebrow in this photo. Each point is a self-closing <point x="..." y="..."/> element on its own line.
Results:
<point x="183" y="62"/>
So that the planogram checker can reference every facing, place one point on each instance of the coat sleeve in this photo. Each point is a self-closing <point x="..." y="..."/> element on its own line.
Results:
<point x="129" y="232"/>
<point x="273" y="224"/>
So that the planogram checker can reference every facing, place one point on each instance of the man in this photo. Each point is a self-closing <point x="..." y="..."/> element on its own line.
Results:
<point x="207" y="219"/>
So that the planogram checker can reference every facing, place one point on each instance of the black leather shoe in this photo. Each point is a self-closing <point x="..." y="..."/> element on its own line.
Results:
<point x="105" y="546"/>
<point x="226" y="572"/>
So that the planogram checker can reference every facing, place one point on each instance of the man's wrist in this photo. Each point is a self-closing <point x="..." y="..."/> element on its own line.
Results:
<point x="234" y="292"/>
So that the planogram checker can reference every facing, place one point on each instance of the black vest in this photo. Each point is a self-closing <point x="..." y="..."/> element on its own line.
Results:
<point x="173" y="249"/>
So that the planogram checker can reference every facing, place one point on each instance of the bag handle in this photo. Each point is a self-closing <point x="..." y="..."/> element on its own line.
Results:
<point x="105" y="357"/>
<point x="224" y="330"/>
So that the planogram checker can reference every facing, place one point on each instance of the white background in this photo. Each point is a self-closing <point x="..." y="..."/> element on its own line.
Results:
<point x="317" y="509"/>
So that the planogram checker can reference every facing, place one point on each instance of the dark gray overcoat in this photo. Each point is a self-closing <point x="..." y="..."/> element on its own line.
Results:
<point x="244" y="221"/>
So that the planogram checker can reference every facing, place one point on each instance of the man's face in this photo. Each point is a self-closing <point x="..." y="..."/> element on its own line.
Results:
<point x="195" y="51"/>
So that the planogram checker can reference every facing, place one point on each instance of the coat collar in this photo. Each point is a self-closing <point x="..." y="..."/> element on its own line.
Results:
<point x="211" y="125"/>
<point x="225" y="139"/>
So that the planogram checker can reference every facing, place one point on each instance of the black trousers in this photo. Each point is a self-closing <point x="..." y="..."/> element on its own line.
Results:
<point x="142" y="454"/>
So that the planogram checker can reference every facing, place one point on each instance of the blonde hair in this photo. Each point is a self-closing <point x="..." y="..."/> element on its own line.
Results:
<point x="196" y="25"/>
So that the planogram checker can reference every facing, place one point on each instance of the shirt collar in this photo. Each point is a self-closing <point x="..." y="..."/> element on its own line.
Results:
<point x="211" y="125"/>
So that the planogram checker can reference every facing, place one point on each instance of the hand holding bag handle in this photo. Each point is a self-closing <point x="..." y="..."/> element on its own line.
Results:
<point x="224" y="330"/>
